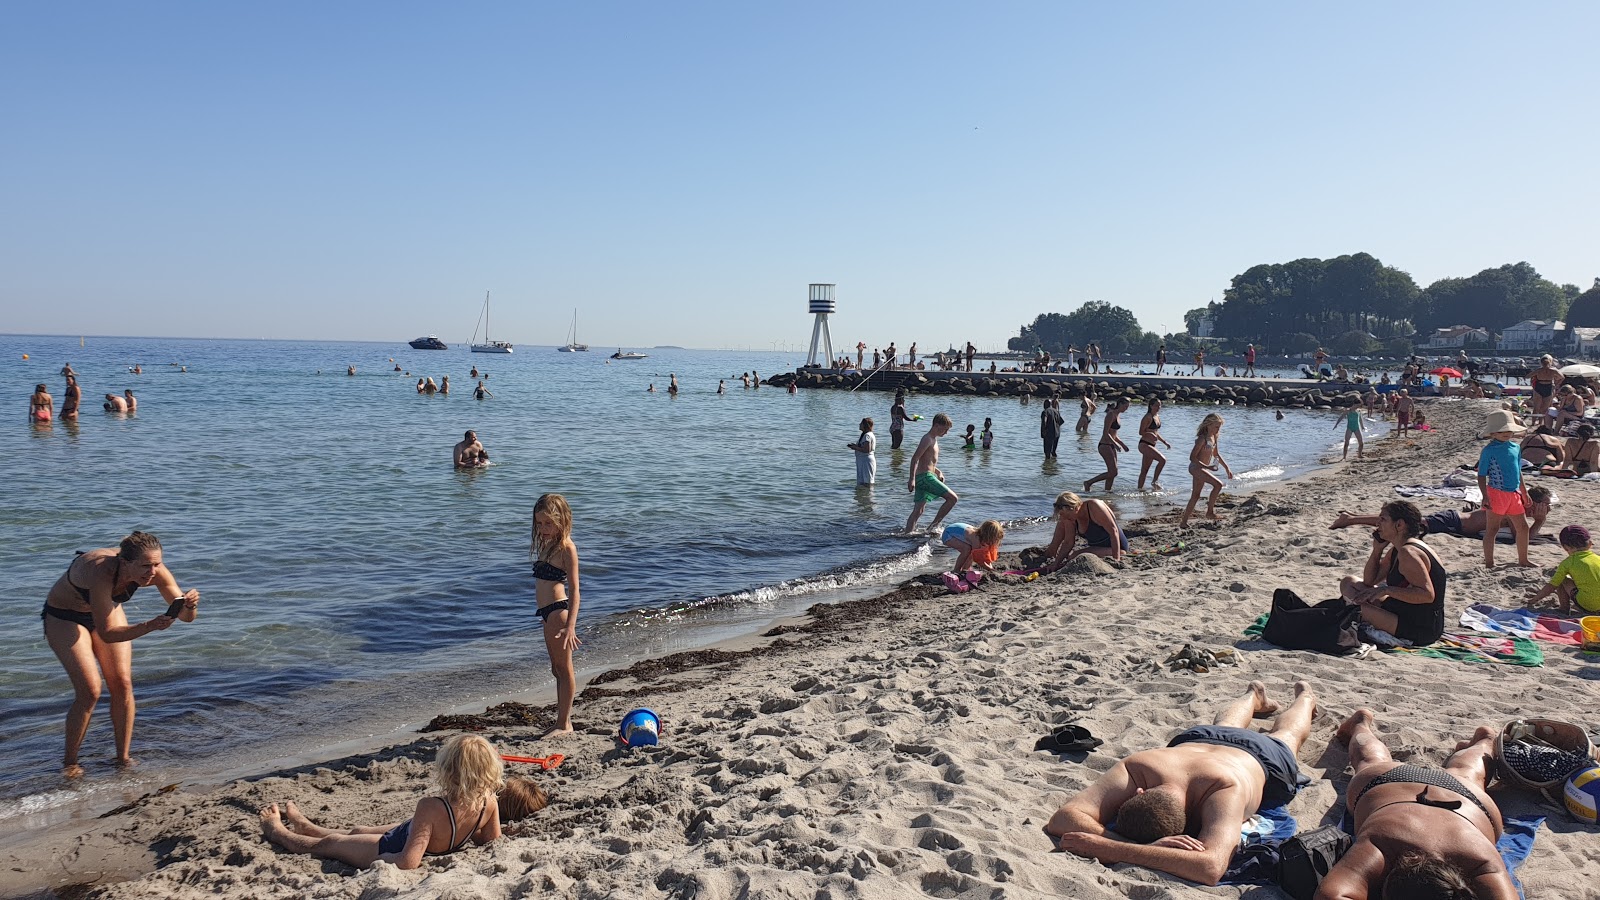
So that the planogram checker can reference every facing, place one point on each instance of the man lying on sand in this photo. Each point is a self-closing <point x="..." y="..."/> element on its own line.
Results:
<point x="1420" y="831"/>
<point x="1448" y="521"/>
<point x="1180" y="808"/>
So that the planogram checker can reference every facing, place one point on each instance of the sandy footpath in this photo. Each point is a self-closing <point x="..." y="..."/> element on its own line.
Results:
<point x="884" y="748"/>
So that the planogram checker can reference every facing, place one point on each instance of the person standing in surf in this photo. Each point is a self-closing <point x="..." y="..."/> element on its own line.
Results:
<point x="1110" y="445"/>
<point x="898" y="414"/>
<point x="555" y="580"/>
<point x="866" y="462"/>
<point x="87" y="629"/>
<point x="926" y="481"/>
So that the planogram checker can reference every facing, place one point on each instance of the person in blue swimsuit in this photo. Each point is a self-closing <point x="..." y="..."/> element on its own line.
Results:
<point x="88" y="631"/>
<point x="555" y="579"/>
<point x="470" y="776"/>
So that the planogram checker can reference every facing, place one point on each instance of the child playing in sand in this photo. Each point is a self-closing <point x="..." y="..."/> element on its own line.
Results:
<point x="978" y="546"/>
<point x="1203" y="462"/>
<point x="866" y="462"/>
<point x="555" y="579"/>
<point x="1500" y="480"/>
<point x="988" y="434"/>
<point x="469" y="772"/>
<point x="1577" y="578"/>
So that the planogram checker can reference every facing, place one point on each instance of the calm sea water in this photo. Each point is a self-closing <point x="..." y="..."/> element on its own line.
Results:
<point x="353" y="583"/>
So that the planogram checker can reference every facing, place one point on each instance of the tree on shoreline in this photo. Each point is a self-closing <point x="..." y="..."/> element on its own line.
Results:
<point x="1114" y="328"/>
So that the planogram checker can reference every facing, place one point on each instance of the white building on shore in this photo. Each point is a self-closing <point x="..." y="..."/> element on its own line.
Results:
<point x="1532" y="334"/>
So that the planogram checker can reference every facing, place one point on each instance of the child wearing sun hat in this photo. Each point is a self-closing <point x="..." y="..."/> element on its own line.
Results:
<point x="1500" y="480"/>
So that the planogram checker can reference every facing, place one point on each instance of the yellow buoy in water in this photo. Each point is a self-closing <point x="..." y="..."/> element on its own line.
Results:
<point x="24" y="356"/>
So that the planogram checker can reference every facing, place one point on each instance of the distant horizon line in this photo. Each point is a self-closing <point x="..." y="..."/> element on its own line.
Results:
<point x="160" y="337"/>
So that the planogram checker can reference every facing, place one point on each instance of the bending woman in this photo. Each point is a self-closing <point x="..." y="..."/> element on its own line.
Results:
<point x="1149" y="434"/>
<point x="555" y="579"/>
<point x="1091" y="520"/>
<point x="1110" y="445"/>
<point x="87" y="629"/>
<point x="468" y="809"/>
<point x="1401" y="589"/>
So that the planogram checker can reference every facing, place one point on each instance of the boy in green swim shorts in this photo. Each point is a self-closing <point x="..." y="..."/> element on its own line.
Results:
<point x="1577" y="579"/>
<point x="926" y="481"/>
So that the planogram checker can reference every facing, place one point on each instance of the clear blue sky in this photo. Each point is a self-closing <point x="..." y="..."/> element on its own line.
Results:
<point x="680" y="171"/>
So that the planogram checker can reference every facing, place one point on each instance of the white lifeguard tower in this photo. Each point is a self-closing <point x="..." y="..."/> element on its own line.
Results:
<point x="821" y="306"/>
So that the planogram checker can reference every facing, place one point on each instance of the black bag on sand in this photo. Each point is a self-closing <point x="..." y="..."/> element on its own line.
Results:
<point x="1328" y="627"/>
<point x="1307" y="858"/>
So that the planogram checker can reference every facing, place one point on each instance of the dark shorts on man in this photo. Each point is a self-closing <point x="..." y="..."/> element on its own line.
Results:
<point x="1444" y="522"/>
<point x="1284" y="779"/>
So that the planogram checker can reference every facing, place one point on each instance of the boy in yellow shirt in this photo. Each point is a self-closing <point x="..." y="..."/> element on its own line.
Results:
<point x="1577" y="578"/>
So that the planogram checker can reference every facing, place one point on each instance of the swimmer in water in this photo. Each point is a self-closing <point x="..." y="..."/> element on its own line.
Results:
<point x="40" y="406"/>
<point x="128" y="398"/>
<point x="480" y="392"/>
<point x="350" y="370"/>
<point x="115" y="404"/>
<point x="444" y="386"/>
<point x="672" y="386"/>
<point x="469" y="453"/>
<point x="70" y="401"/>
<point x="721" y="386"/>
<point x="651" y="389"/>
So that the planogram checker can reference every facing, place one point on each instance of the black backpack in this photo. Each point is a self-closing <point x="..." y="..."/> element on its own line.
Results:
<point x="1306" y="859"/>
<point x="1329" y="627"/>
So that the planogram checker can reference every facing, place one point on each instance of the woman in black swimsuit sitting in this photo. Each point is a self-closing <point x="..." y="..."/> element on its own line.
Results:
<point x="87" y="629"/>
<point x="555" y="579"/>
<point x="1110" y="444"/>
<point x="1401" y="590"/>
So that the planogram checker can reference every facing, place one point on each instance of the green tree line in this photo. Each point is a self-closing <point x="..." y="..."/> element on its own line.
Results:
<point x="1353" y="305"/>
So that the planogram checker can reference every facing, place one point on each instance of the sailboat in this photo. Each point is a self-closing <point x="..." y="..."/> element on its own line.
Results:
<point x="572" y="345"/>
<point x="487" y="346"/>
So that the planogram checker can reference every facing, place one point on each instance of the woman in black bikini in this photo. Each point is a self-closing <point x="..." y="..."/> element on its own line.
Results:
<point x="1110" y="444"/>
<point x="1420" y="831"/>
<point x="555" y="579"/>
<point x="87" y="629"/>
<point x="1149" y="434"/>
<point x="467" y="809"/>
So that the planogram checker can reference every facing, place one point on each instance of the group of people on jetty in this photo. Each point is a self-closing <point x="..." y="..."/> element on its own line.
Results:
<point x="42" y="406"/>
<point x="1420" y="830"/>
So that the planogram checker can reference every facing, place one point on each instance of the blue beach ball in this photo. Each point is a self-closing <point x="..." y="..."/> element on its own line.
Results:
<point x="640" y="728"/>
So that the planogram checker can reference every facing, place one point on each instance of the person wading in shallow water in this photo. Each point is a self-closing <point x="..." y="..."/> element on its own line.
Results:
<point x="88" y="631"/>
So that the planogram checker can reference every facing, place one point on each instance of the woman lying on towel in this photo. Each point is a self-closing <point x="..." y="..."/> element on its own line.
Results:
<point x="1401" y="589"/>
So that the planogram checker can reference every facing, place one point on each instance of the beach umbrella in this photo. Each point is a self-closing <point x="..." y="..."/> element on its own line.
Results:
<point x="1579" y="370"/>
<point x="1446" y="372"/>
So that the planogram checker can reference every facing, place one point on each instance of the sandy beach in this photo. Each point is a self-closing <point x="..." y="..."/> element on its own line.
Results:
<point x="884" y="748"/>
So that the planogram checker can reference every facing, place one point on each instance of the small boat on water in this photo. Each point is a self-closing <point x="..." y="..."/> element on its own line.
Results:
<point x="572" y="345"/>
<point x="431" y="342"/>
<point x="487" y="346"/>
<point x="629" y="355"/>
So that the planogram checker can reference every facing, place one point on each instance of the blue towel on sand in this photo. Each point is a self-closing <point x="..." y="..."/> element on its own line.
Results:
<point x="1256" y="860"/>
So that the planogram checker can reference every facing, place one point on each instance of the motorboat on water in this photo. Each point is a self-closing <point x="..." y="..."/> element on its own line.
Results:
<point x="629" y="355"/>
<point x="487" y="346"/>
<point x="431" y="342"/>
<point x="572" y="345"/>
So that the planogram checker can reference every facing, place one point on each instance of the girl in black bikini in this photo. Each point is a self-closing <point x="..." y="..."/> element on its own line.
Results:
<point x="555" y="579"/>
<point x="469" y="772"/>
<point x="89" y="633"/>
<point x="1149" y="434"/>
<point x="1110" y="445"/>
